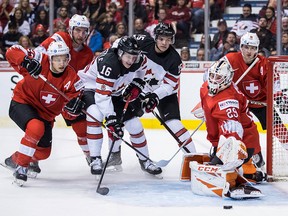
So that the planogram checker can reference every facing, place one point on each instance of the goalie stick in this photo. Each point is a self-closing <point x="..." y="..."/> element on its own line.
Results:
<point x="92" y="117"/>
<point x="163" y="163"/>
<point x="105" y="190"/>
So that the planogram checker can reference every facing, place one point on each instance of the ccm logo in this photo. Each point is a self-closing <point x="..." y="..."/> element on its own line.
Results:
<point x="208" y="169"/>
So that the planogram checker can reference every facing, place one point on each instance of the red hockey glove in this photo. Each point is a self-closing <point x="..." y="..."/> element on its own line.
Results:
<point x="33" y="66"/>
<point x="114" y="126"/>
<point x="134" y="89"/>
<point x="151" y="101"/>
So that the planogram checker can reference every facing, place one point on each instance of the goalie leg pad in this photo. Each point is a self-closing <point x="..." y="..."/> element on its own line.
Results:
<point x="185" y="173"/>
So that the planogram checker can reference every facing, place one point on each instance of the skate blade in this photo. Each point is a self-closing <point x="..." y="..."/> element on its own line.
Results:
<point x="31" y="174"/>
<point x="114" y="168"/>
<point x="7" y="167"/>
<point x="18" y="182"/>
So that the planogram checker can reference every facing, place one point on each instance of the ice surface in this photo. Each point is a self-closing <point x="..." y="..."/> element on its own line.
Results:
<point x="66" y="187"/>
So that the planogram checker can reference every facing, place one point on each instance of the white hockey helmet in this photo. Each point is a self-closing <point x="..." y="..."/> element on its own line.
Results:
<point x="78" y="21"/>
<point x="220" y="76"/>
<point x="58" y="48"/>
<point x="250" y="39"/>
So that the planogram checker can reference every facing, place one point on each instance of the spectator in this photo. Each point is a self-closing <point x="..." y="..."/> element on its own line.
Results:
<point x="22" y="24"/>
<point x="162" y="17"/>
<point x="94" y="10"/>
<point x="232" y="40"/>
<point x="44" y="6"/>
<point x="120" y="4"/>
<point x="271" y="20"/>
<point x="185" y="54"/>
<point x="197" y="15"/>
<point x="59" y="26"/>
<point x="11" y="37"/>
<point x="267" y="41"/>
<point x="116" y="14"/>
<point x="5" y="10"/>
<point x="42" y="18"/>
<point x="25" y="42"/>
<point x="284" y="49"/>
<point x="216" y="54"/>
<point x="112" y="38"/>
<point x="80" y="5"/>
<point x="202" y="41"/>
<point x="220" y="36"/>
<point x="71" y="10"/>
<point x="39" y="36"/>
<point x="284" y="23"/>
<point x="138" y="9"/>
<point x="95" y="39"/>
<point x="139" y="27"/>
<point x="27" y="9"/>
<point x="121" y="29"/>
<point x="105" y="25"/>
<point x="284" y="7"/>
<point x="200" y="54"/>
<point x="62" y="19"/>
<point x="246" y="22"/>
<point x="182" y="15"/>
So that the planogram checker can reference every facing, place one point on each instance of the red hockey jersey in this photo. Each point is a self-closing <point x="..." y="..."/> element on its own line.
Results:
<point x="254" y="84"/>
<point x="229" y="104"/>
<point x="38" y="93"/>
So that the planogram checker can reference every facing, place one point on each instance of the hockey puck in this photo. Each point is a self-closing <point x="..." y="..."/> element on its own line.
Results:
<point x="227" y="207"/>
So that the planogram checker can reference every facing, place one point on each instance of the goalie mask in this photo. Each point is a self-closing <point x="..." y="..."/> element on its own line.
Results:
<point x="220" y="76"/>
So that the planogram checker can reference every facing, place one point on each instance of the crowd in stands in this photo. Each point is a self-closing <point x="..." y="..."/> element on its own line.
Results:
<point x="109" y="21"/>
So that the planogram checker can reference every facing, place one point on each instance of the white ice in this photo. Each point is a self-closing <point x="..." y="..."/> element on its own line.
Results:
<point x="66" y="187"/>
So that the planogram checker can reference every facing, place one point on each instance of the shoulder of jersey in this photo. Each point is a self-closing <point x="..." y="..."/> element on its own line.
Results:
<point x="110" y="61"/>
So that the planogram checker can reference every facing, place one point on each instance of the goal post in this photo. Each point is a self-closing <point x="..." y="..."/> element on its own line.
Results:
<point x="277" y="120"/>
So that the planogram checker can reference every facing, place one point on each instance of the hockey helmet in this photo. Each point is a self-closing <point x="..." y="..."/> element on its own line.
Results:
<point x="78" y="21"/>
<point x="220" y="76"/>
<point x="128" y="45"/>
<point x="250" y="39"/>
<point x="58" y="48"/>
<point x="164" y="29"/>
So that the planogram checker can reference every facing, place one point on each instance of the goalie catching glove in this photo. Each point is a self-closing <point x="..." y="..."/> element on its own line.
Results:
<point x="114" y="126"/>
<point x="32" y="66"/>
<point x="150" y="101"/>
<point x="134" y="89"/>
<point x="74" y="106"/>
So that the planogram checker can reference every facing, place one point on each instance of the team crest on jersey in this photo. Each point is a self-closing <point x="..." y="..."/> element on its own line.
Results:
<point x="251" y="88"/>
<point x="48" y="98"/>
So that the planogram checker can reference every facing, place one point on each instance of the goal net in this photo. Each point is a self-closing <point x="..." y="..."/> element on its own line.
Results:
<point x="277" y="118"/>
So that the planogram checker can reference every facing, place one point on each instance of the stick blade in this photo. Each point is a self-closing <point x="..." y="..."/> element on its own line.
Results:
<point x="103" y="190"/>
<point x="162" y="163"/>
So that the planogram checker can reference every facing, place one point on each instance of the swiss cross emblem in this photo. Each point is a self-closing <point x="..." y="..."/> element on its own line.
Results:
<point x="48" y="98"/>
<point x="251" y="88"/>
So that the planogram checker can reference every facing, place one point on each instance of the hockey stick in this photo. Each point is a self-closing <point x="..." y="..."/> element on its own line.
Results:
<point x="163" y="163"/>
<point x="105" y="190"/>
<point x="92" y="117"/>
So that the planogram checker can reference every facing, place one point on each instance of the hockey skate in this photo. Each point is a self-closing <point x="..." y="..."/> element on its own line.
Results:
<point x="151" y="168"/>
<point x="20" y="175"/>
<point x="96" y="165"/>
<point x="33" y="169"/>
<point x="10" y="164"/>
<point x="244" y="192"/>
<point x="114" y="162"/>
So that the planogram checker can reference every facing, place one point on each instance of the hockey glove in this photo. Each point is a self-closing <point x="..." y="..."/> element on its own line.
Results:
<point x="114" y="127"/>
<point x="32" y="66"/>
<point x="151" y="100"/>
<point x="134" y="89"/>
<point x="74" y="106"/>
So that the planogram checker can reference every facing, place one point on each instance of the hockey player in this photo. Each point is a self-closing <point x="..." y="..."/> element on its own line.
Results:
<point x="105" y="79"/>
<point x="254" y="84"/>
<point x="161" y="76"/>
<point x="232" y="133"/>
<point x="81" y="55"/>
<point x="35" y="104"/>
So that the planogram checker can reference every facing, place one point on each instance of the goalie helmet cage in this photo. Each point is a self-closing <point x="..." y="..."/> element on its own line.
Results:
<point x="276" y="155"/>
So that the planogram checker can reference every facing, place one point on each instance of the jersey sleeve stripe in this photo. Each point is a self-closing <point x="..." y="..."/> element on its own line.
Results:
<point x="105" y="82"/>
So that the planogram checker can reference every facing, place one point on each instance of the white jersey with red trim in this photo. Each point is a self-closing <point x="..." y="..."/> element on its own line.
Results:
<point x="108" y="77"/>
<point x="163" y="69"/>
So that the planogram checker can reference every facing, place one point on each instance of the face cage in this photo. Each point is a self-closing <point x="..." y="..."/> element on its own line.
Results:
<point x="215" y="87"/>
